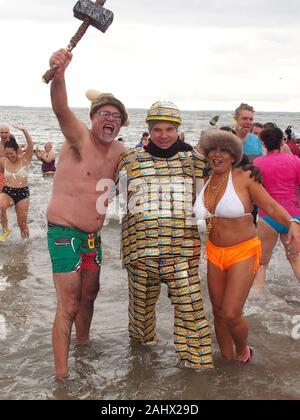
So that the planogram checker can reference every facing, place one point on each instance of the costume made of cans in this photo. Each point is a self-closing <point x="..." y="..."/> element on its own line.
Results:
<point x="161" y="243"/>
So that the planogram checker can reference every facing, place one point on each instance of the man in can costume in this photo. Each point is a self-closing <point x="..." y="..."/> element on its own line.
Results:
<point x="160" y="240"/>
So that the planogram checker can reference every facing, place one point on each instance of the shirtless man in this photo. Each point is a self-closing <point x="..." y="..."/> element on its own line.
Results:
<point x="4" y="136"/>
<point x="87" y="156"/>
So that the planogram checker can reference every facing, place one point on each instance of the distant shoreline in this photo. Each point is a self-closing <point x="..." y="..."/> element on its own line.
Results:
<point x="145" y="109"/>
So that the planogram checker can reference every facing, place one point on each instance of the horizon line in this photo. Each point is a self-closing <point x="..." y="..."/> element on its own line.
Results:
<point x="145" y="109"/>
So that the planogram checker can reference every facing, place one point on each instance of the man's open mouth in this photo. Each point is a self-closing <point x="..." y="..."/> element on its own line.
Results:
<point x="108" y="129"/>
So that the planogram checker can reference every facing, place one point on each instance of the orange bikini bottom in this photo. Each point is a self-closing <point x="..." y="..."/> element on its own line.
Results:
<point x="226" y="257"/>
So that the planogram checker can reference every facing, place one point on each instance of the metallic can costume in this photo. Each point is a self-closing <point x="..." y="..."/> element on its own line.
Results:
<point x="160" y="243"/>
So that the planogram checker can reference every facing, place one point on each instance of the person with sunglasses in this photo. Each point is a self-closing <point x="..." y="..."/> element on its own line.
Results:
<point x="88" y="156"/>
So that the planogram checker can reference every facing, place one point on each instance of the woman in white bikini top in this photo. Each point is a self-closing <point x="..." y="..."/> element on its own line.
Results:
<point x="15" y="193"/>
<point x="228" y="207"/>
<point x="18" y="177"/>
<point x="233" y="248"/>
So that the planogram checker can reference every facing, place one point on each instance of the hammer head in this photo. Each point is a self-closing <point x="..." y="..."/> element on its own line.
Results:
<point x="98" y="16"/>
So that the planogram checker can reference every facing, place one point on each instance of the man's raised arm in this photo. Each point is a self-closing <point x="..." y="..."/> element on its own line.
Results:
<point x="71" y="127"/>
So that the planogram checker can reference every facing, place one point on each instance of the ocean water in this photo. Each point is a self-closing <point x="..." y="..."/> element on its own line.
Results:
<point x="109" y="367"/>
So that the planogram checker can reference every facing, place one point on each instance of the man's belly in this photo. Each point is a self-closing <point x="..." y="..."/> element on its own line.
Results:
<point x="79" y="213"/>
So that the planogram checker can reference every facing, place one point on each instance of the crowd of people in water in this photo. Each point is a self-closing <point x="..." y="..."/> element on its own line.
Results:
<point x="242" y="179"/>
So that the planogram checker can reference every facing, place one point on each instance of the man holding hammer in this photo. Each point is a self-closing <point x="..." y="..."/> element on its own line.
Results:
<point x="87" y="156"/>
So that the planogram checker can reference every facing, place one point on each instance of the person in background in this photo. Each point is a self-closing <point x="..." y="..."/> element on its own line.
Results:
<point x="15" y="193"/>
<point x="291" y="142"/>
<point x="252" y="146"/>
<point x="47" y="157"/>
<point x="88" y="155"/>
<point x="181" y="137"/>
<point x="269" y="124"/>
<point x="144" y="140"/>
<point x="244" y="115"/>
<point x="121" y="140"/>
<point x="233" y="248"/>
<point x="281" y="178"/>
<point x="284" y="147"/>
<point x="297" y="140"/>
<point x="4" y="137"/>
<point x="257" y="128"/>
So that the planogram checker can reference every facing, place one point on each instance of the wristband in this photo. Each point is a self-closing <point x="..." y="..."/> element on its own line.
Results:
<point x="294" y="220"/>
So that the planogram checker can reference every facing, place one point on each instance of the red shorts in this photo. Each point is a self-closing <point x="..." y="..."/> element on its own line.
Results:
<point x="89" y="261"/>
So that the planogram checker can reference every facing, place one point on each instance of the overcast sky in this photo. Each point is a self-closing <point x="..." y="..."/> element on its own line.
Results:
<point x="202" y="55"/>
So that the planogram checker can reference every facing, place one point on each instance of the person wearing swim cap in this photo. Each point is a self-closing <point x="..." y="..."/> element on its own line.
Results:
<point x="88" y="155"/>
<point x="160" y="242"/>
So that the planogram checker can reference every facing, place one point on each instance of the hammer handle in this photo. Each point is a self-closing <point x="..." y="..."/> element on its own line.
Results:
<point x="49" y="75"/>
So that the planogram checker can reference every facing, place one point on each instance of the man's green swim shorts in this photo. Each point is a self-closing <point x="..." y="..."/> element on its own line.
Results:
<point x="72" y="250"/>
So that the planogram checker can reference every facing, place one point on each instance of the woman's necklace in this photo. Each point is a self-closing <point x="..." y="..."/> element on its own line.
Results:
<point x="211" y="199"/>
